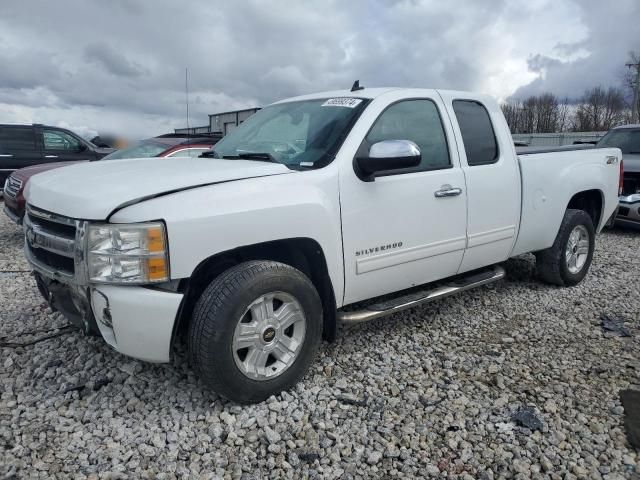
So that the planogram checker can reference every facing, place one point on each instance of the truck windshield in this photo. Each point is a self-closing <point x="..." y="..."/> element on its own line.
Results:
<point x="144" y="149"/>
<point x="626" y="139"/>
<point x="302" y="134"/>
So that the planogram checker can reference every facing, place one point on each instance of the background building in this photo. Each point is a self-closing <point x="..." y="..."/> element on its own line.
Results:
<point x="221" y="122"/>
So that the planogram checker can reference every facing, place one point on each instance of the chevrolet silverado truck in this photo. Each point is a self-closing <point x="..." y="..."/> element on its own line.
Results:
<point x="332" y="208"/>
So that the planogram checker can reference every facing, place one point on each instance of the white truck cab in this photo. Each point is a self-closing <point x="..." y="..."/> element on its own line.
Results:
<point x="302" y="218"/>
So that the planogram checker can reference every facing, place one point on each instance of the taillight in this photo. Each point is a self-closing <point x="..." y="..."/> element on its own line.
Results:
<point x="621" y="182"/>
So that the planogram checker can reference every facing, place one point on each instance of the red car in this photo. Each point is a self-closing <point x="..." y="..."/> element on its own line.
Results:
<point x="163" y="146"/>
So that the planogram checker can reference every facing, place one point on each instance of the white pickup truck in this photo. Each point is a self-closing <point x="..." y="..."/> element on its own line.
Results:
<point x="302" y="218"/>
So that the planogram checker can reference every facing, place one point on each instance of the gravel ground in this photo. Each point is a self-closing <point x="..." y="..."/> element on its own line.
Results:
<point x="429" y="393"/>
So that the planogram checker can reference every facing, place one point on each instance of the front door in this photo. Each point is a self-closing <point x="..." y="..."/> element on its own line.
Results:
<point x="397" y="232"/>
<point x="60" y="146"/>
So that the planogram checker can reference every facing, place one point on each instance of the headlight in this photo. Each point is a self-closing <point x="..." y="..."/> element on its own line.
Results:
<point x="128" y="253"/>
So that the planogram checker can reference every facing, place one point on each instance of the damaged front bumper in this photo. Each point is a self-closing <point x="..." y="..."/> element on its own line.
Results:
<point x="137" y="321"/>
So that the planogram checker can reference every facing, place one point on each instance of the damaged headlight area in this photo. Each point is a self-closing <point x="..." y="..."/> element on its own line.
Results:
<point x="128" y="253"/>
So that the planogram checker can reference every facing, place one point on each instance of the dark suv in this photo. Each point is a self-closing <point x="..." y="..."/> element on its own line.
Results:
<point x="25" y="145"/>
<point x="627" y="139"/>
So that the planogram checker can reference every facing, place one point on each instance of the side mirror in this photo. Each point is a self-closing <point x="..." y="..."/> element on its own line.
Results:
<point x="388" y="155"/>
<point x="82" y="147"/>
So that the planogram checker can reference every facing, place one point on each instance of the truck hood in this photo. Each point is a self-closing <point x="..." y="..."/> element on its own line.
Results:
<point x="94" y="190"/>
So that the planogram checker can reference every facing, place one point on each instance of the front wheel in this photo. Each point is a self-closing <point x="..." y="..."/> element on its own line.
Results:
<point x="255" y="330"/>
<point x="568" y="260"/>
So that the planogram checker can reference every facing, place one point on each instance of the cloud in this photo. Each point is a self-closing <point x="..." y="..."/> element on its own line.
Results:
<point x="598" y="59"/>
<point x="111" y="60"/>
<point x="103" y="65"/>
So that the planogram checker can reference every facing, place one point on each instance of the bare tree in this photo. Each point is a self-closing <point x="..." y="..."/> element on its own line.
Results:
<point x="510" y="115"/>
<point x="546" y="113"/>
<point x="631" y="82"/>
<point x="565" y="116"/>
<point x="513" y="113"/>
<point x="600" y="110"/>
<point x="536" y="114"/>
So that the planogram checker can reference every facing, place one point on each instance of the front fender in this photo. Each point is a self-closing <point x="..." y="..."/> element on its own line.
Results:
<point x="209" y="220"/>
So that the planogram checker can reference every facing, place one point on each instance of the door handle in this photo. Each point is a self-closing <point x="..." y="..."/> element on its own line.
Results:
<point x="5" y="155"/>
<point x="447" y="191"/>
<point x="51" y="156"/>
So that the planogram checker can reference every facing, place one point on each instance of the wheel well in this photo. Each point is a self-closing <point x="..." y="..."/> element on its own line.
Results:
<point x="591" y="202"/>
<point x="304" y="254"/>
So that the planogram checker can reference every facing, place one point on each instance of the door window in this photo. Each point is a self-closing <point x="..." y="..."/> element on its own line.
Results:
<point x="626" y="139"/>
<point x="477" y="132"/>
<point x="54" y="140"/>
<point x="420" y="122"/>
<point x="17" y="138"/>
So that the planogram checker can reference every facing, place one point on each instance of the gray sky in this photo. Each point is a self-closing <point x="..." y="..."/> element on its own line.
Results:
<point x="118" y="66"/>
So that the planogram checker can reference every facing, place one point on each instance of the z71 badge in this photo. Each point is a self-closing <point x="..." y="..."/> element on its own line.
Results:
<point x="381" y="248"/>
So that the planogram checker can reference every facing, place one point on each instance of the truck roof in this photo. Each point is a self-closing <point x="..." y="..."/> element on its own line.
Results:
<point x="363" y="93"/>
<point x="371" y="93"/>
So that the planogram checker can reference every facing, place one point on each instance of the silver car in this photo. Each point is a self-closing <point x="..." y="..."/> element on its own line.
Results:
<point x="627" y="139"/>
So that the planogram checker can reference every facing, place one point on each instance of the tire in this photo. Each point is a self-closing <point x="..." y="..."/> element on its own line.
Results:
<point x="233" y="311"/>
<point x="554" y="265"/>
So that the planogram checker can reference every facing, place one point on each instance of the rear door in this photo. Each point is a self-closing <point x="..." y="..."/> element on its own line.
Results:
<point x="19" y="148"/>
<point x="63" y="146"/>
<point x="488" y="159"/>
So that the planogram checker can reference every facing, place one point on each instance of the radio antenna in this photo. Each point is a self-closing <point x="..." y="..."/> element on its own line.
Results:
<point x="186" y="90"/>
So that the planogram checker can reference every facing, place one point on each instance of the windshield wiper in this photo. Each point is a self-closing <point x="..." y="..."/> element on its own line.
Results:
<point x="260" y="156"/>
<point x="267" y="157"/>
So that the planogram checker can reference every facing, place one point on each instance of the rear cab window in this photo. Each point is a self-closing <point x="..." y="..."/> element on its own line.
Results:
<point x="477" y="131"/>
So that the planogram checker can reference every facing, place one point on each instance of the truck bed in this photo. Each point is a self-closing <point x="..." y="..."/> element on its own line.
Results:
<point x="549" y="179"/>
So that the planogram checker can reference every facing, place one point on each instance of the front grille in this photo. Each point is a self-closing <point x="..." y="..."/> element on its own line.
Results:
<point x="51" y="240"/>
<point x="54" y="260"/>
<point x="64" y="230"/>
<point x="624" y="211"/>
<point x="13" y="187"/>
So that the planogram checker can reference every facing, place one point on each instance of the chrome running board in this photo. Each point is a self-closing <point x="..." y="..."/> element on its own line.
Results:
<point x="387" y="307"/>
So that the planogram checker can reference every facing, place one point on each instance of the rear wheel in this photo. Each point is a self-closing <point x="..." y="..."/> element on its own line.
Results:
<point x="255" y="330"/>
<point x="568" y="260"/>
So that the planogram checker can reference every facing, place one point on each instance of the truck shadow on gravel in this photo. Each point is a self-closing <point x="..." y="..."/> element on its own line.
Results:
<point x="626" y="230"/>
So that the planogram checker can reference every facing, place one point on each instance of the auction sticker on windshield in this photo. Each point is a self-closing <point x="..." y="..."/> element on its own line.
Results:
<point x="342" y="102"/>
